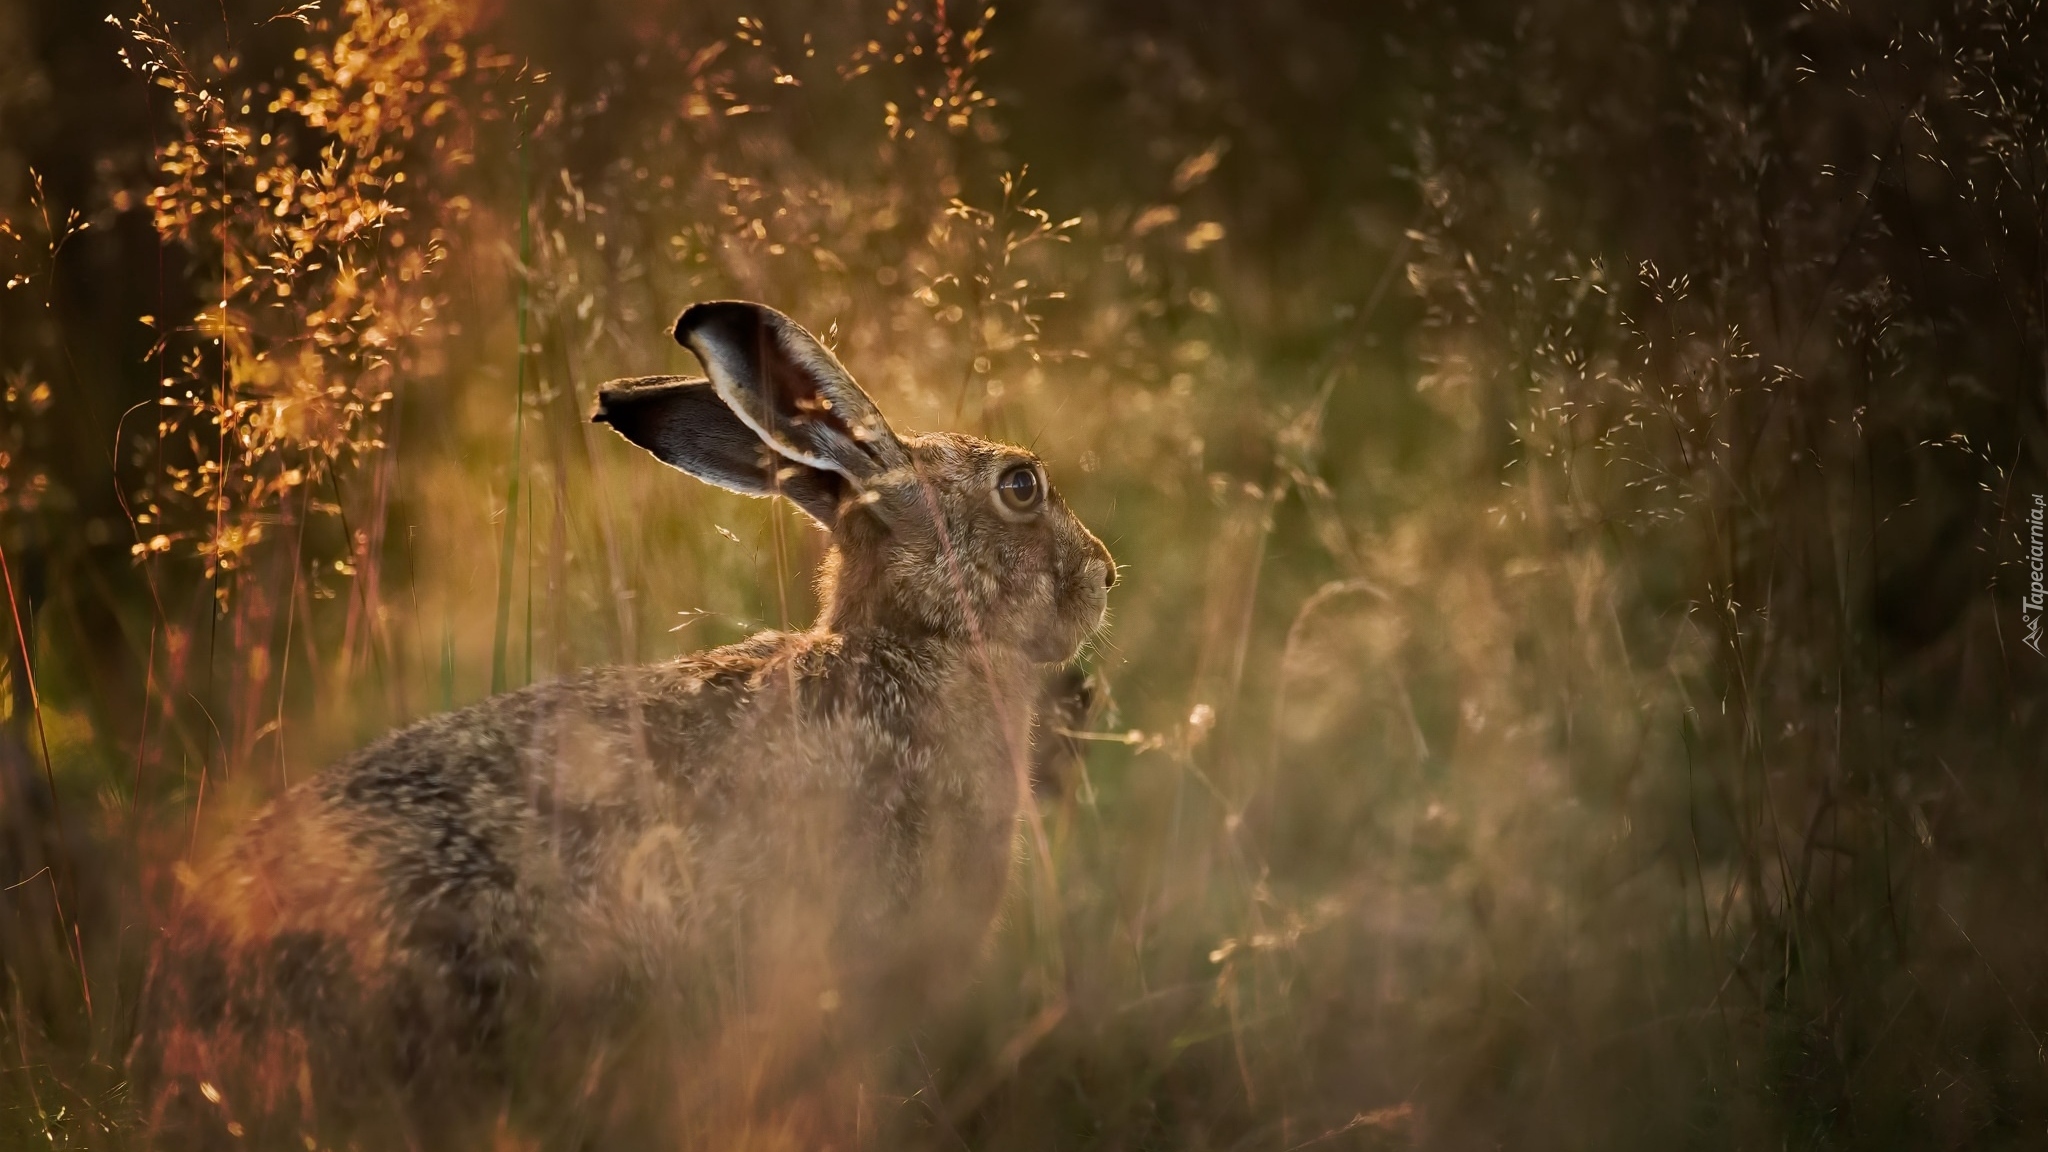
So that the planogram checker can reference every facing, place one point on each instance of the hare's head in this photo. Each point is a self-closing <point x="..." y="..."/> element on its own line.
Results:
<point x="940" y="534"/>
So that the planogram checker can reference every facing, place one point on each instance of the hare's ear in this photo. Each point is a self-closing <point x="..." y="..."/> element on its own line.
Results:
<point x="684" y="421"/>
<point x="791" y="390"/>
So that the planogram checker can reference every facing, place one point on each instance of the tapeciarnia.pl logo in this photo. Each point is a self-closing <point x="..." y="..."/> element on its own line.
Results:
<point x="2037" y="572"/>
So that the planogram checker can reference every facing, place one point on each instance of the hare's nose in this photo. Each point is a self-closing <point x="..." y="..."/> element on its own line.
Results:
<point x="1102" y="554"/>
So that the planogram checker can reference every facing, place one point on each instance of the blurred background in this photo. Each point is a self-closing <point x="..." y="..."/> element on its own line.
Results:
<point x="1573" y="683"/>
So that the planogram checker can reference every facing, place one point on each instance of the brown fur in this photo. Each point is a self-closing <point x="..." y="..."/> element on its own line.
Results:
<point x="800" y="826"/>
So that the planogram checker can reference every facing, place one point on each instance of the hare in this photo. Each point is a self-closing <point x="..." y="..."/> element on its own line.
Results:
<point x="802" y="825"/>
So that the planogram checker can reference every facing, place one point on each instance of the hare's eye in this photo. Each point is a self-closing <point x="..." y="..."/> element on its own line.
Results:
<point x="1020" y="489"/>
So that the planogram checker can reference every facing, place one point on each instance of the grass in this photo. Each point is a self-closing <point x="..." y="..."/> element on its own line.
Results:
<point x="1567" y="685"/>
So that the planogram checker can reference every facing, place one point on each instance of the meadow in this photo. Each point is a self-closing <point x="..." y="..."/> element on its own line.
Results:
<point x="1573" y="681"/>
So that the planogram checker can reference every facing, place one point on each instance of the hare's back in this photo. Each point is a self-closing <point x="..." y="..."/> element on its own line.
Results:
<point x="495" y="805"/>
<point x="398" y="907"/>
